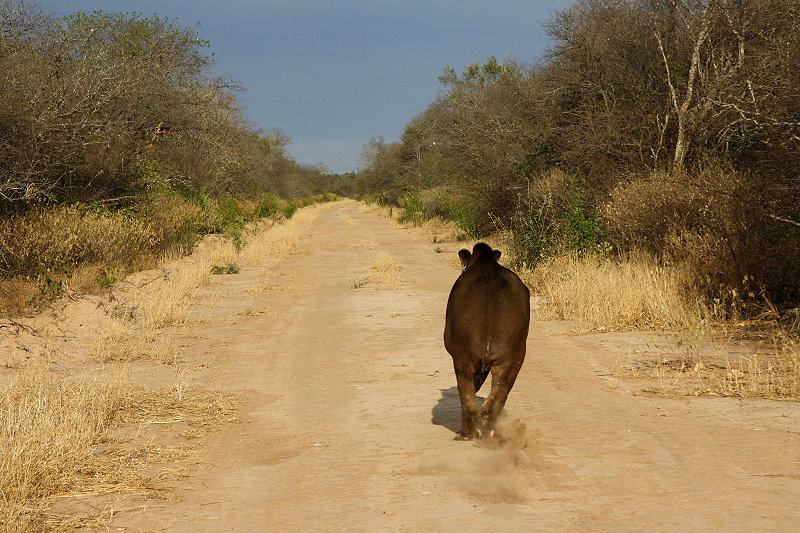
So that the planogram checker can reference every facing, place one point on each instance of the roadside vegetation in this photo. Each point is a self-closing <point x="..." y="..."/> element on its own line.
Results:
<point x="118" y="147"/>
<point x="120" y="151"/>
<point x="661" y="131"/>
<point x="61" y="437"/>
<point x="644" y="169"/>
<point x="72" y="431"/>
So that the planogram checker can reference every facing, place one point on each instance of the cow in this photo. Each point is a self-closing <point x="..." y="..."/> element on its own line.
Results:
<point x="486" y="328"/>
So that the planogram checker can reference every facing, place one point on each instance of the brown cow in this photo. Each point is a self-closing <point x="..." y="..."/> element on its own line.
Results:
<point x="486" y="327"/>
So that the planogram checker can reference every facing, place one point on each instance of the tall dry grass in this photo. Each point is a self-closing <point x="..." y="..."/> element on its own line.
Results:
<point x="168" y="304"/>
<point x="278" y="240"/>
<point x="637" y="292"/>
<point x="62" y="237"/>
<point x="49" y="251"/>
<point x="57" y="438"/>
<point x="49" y="428"/>
<point x="773" y="372"/>
<point x="632" y="292"/>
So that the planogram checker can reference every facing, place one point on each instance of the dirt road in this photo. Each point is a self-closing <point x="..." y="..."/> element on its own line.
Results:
<point x="349" y="409"/>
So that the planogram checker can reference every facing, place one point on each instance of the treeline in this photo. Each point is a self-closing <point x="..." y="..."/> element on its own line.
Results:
<point x="99" y="106"/>
<point x="670" y="126"/>
<point x="118" y="144"/>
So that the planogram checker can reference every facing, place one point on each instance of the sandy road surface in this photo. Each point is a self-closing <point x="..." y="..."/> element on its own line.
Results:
<point x="349" y="408"/>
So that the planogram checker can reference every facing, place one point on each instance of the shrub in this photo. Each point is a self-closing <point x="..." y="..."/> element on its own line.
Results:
<point x="179" y="223"/>
<point x="466" y="216"/>
<point x="552" y="218"/>
<point x="582" y="224"/>
<point x="269" y="206"/>
<point x="413" y="209"/>
<point x="290" y="208"/>
<point x="534" y="235"/>
<point x="449" y="203"/>
<point x="381" y="200"/>
<point x="49" y="242"/>
<point x="230" y="220"/>
<point x="230" y="268"/>
<point x="716" y="221"/>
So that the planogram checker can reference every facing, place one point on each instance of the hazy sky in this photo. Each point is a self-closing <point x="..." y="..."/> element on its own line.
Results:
<point x="334" y="73"/>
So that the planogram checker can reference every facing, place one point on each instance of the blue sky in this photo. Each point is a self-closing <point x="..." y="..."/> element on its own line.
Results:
<point x="333" y="74"/>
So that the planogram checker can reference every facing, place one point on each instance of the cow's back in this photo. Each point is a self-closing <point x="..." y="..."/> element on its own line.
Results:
<point x="488" y="313"/>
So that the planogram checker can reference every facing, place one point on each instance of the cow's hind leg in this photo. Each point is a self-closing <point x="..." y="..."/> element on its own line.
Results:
<point x="465" y="377"/>
<point x="503" y="378"/>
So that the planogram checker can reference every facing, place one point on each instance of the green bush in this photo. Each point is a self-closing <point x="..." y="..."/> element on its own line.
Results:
<point x="413" y="209"/>
<point x="231" y="220"/>
<point x="230" y="268"/>
<point x="290" y="208"/>
<point x="381" y="200"/>
<point x="534" y="235"/>
<point x="466" y="216"/>
<point x="582" y="226"/>
<point x="269" y="206"/>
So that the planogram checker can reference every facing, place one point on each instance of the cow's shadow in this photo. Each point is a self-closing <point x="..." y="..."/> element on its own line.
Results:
<point x="447" y="411"/>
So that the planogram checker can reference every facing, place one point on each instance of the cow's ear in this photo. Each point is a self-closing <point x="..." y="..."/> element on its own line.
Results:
<point x="465" y="256"/>
<point x="497" y="254"/>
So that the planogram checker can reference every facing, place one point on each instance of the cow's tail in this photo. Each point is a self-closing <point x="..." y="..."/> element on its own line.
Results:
<point x="483" y="371"/>
<point x="480" y="377"/>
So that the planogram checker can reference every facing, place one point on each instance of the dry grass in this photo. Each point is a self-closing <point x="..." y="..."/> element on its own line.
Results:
<point x="48" y="428"/>
<point x="167" y="306"/>
<point x="52" y="250"/>
<point x="278" y="241"/>
<point x="61" y="237"/>
<point x="770" y="371"/>
<point x="635" y="292"/>
<point x="121" y="341"/>
<point x="384" y="273"/>
<point x="719" y="358"/>
<point x="179" y="403"/>
<point x="439" y="229"/>
<point x="16" y="294"/>
<point x="116" y="342"/>
<point x="56" y="439"/>
<point x="723" y="367"/>
<point x="60" y="436"/>
<point x="94" y="278"/>
<point x="728" y="359"/>
<point x="125" y="340"/>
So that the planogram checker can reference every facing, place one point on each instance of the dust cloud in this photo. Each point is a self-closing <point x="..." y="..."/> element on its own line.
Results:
<point x="490" y="470"/>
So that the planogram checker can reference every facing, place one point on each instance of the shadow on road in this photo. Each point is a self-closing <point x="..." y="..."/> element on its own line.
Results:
<point x="447" y="411"/>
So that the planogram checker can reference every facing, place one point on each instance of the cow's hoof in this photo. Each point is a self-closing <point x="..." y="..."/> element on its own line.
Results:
<point x="461" y="436"/>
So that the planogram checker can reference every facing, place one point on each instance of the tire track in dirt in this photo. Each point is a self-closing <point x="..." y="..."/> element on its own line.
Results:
<point x="349" y="408"/>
